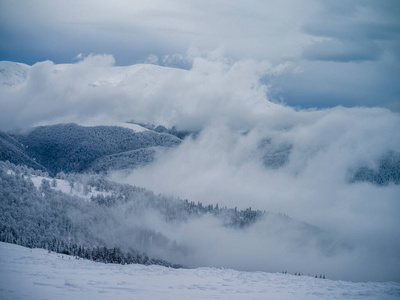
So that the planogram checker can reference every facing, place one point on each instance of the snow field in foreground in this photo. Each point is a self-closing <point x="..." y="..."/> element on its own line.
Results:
<point x="36" y="274"/>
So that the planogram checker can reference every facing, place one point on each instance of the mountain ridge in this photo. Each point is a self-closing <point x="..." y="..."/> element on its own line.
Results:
<point x="72" y="148"/>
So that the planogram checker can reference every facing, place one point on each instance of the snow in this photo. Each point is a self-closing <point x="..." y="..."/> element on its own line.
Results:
<point x="13" y="74"/>
<point x="10" y="172"/>
<point x="103" y="122"/>
<point x="37" y="274"/>
<point x="65" y="187"/>
<point x="134" y="127"/>
<point x="120" y="76"/>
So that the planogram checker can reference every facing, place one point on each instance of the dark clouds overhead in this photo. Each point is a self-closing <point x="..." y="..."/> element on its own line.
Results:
<point x="353" y="31"/>
<point x="343" y="51"/>
<point x="329" y="45"/>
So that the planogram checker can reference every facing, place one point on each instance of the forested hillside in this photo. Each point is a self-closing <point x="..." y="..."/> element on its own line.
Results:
<point x="13" y="151"/>
<point x="127" y="160"/>
<point x="100" y="149"/>
<point x="72" y="148"/>
<point x="107" y="227"/>
<point x="47" y="218"/>
<point x="386" y="170"/>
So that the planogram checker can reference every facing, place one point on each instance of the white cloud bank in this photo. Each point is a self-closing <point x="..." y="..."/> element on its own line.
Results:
<point x="94" y="88"/>
<point x="224" y="164"/>
<point x="225" y="167"/>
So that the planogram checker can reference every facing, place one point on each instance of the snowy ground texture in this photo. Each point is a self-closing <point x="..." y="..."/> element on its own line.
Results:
<point x="36" y="274"/>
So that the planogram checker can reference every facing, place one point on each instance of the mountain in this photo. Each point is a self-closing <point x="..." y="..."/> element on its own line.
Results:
<point x="274" y="156"/>
<point x="13" y="74"/>
<point x="74" y="148"/>
<point x="127" y="160"/>
<point x="386" y="170"/>
<point x="178" y="133"/>
<point x="13" y="151"/>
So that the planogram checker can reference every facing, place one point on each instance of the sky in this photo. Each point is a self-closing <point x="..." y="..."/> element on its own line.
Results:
<point x="331" y="52"/>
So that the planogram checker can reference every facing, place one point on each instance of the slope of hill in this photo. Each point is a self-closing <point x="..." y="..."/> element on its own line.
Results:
<point x="72" y="148"/>
<point x="385" y="171"/>
<point x="13" y="151"/>
<point x="91" y="217"/>
<point x="37" y="274"/>
<point x="13" y="74"/>
<point x="127" y="160"/>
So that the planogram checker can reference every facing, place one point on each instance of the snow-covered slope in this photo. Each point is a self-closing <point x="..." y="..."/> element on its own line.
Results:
<point x="102" y="122"/>
<point x="14" y="152"/>
<point x="13" y="74"/>
<point x="65" y="187"/>
<point x="36" y="274"/>
<point x="95" y="88"/>
<point x="69" y="147"/>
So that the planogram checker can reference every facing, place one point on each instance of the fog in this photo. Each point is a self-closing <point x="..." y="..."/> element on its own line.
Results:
<point x="248" y="151"/>
<point x="359" y="220"/>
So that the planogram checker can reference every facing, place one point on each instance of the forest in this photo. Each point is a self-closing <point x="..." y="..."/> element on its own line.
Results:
<point x="46" y="217"/>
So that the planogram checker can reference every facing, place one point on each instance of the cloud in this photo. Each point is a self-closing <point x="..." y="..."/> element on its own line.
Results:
<point x="328" y="83"/>
<point x="224" y="165"/>
<point x="152" y="59"/>
<point x="94" y="88"/>
<point x="131" y="31"/>
<point x="364" y="33"/>
<point x="352" y="31"/>
<point x="342" y="51"/>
